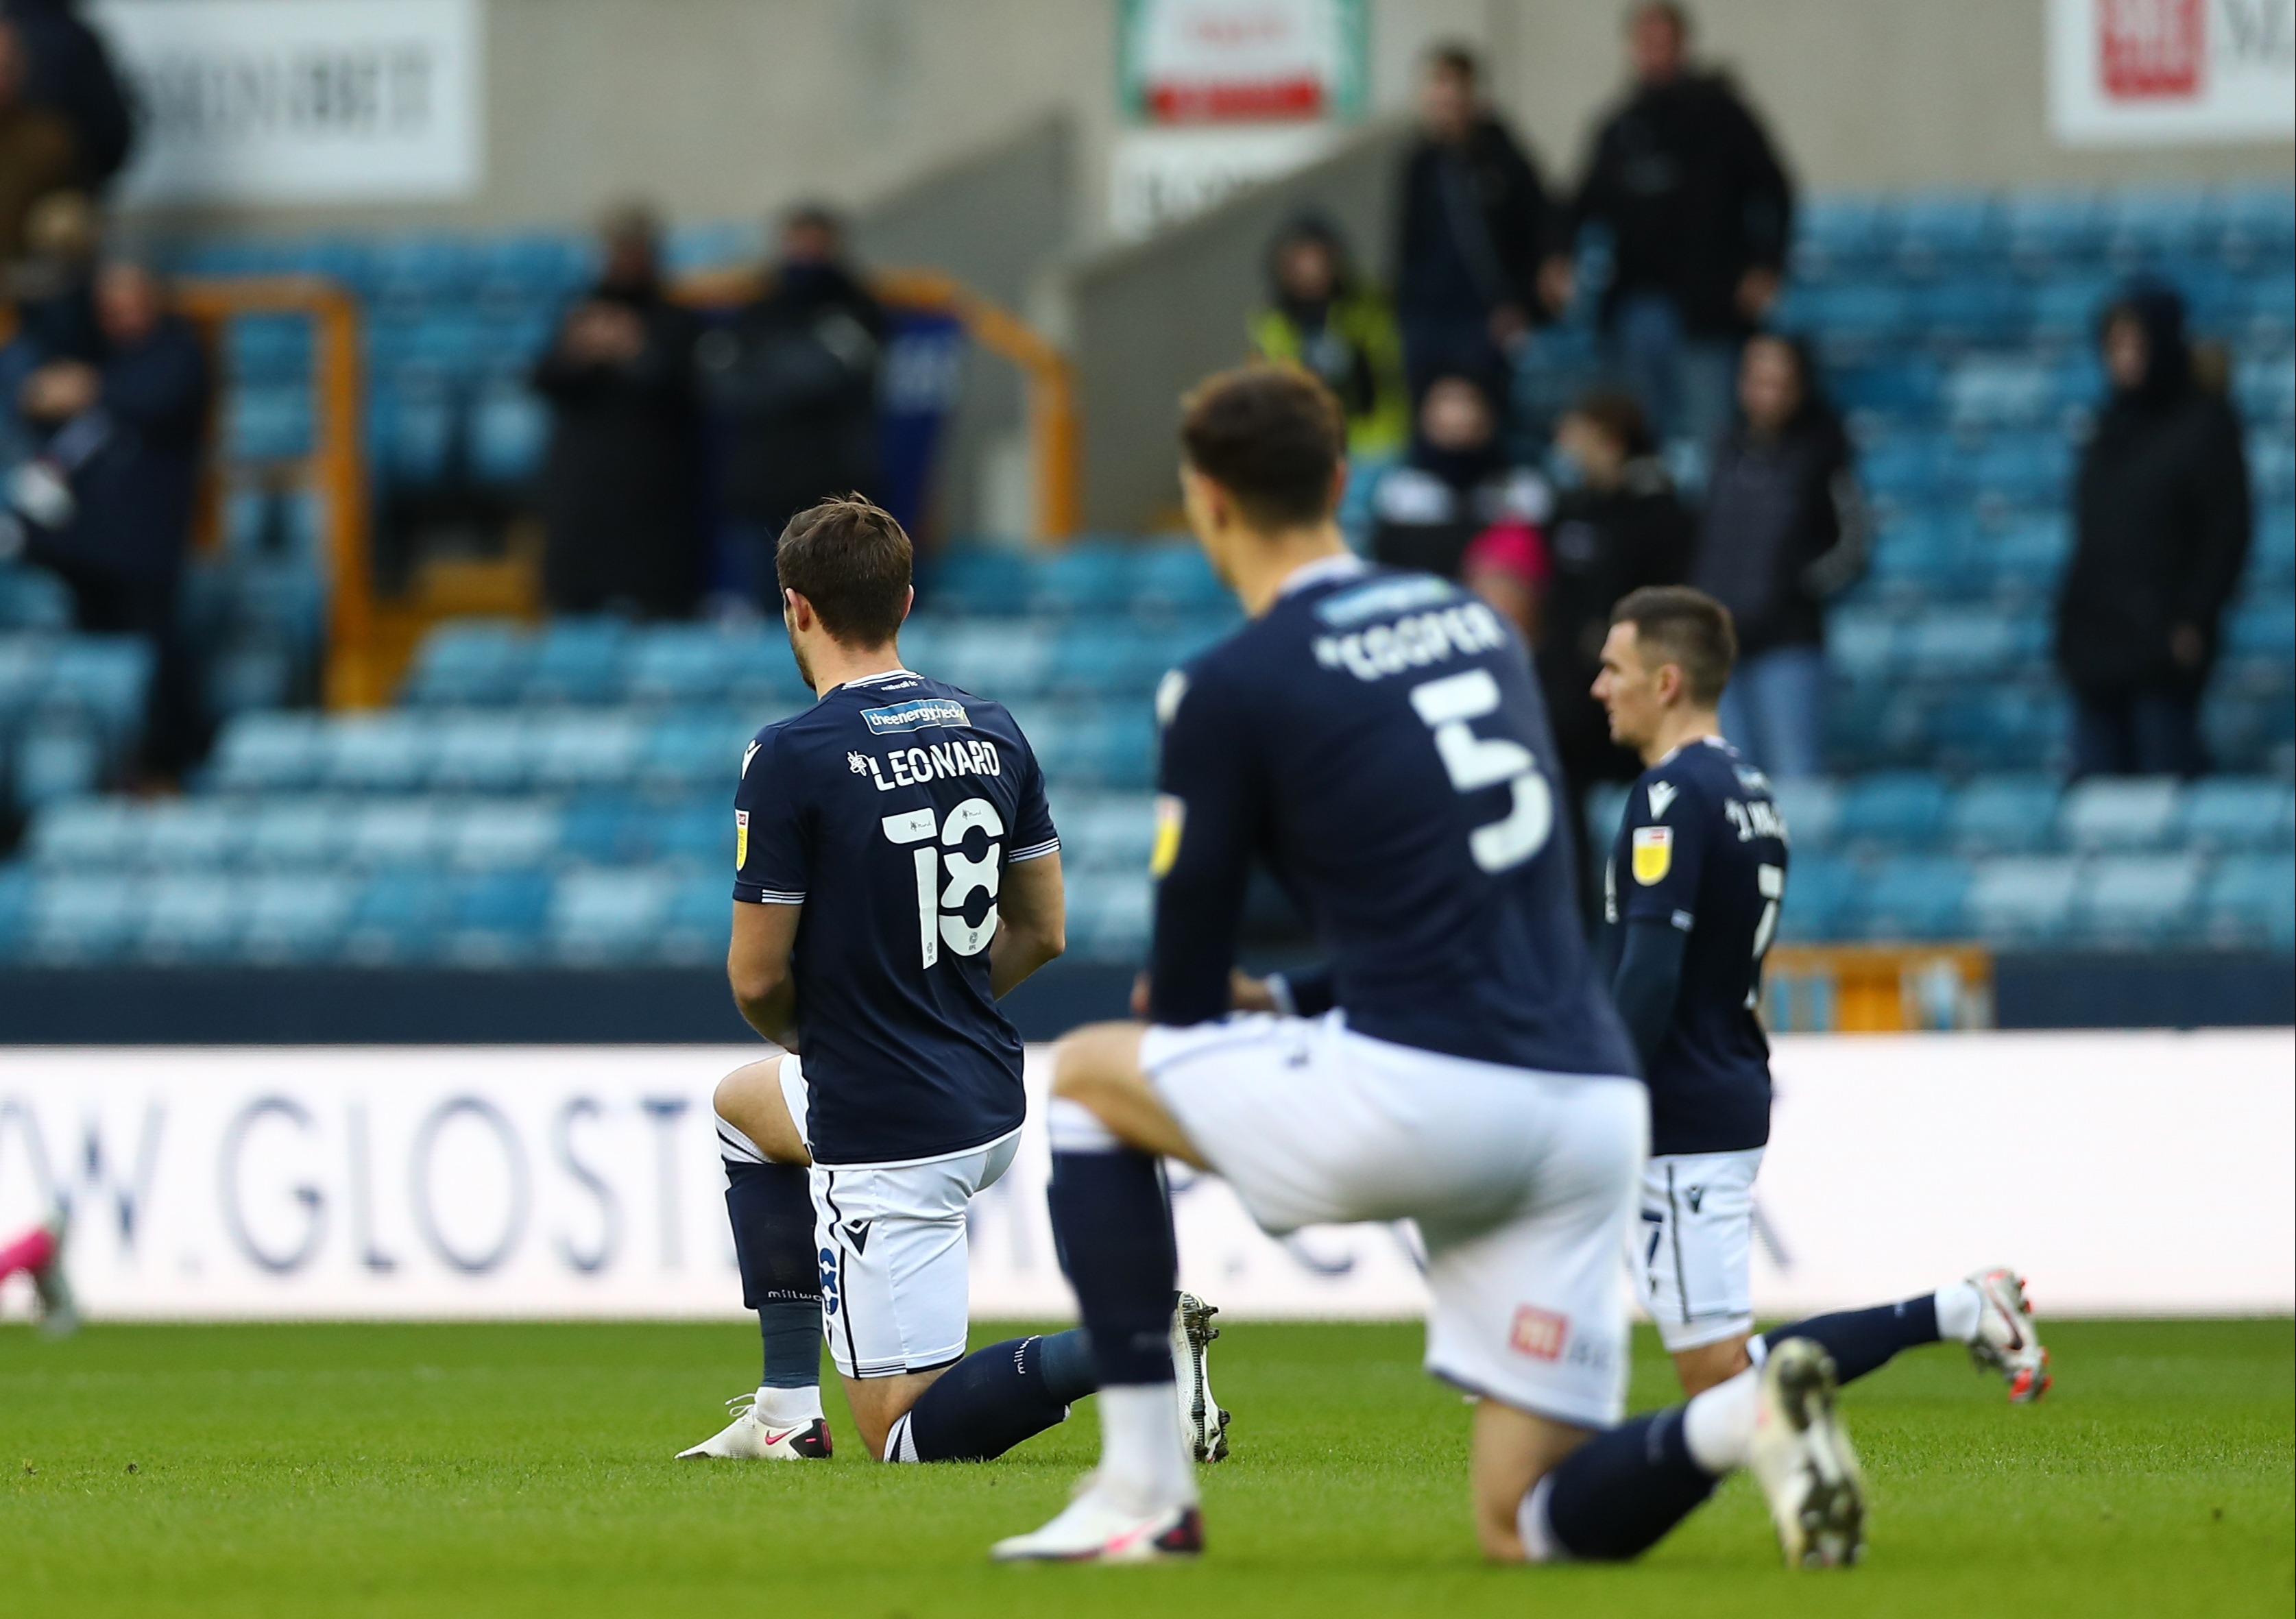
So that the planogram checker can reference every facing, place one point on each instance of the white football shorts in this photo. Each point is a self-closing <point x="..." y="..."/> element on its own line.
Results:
<point x="1522" y="1184"/>
<point x="1696" y="1258"/>
<point x="892" y="1246"/>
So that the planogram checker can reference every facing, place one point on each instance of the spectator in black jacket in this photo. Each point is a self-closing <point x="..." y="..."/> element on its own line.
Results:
<point x="1785" y="528"/>
<point x="797" y="371"/>
<point x="1616" y="528"/>
<point x="1700" y="213"/>
<point x="71" y="76"/>
<point x="126" y="451"/>
<point x="618" y="487"/>
<point x="2161" y="520"/>
<point x="1475" y="235"/>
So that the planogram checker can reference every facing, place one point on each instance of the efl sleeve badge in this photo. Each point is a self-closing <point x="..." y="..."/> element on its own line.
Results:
<point x="742" y="838"/>
<point x="1653" y="854"/>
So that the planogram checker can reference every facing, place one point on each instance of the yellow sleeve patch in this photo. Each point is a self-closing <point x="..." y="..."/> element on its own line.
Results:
<point x="1171" y="815"/>
<point x="741" y="839"/>
<point x="1653" y="854"/>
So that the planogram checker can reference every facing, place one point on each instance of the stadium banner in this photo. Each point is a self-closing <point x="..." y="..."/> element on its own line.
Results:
<point x="2162" y="72"/>
<point x="2144" y="1173"/>
<point x="300" y="101"/>
<point x="1197" y="62"/>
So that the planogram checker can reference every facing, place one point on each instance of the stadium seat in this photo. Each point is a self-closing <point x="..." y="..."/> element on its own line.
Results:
<point x="1089" y="577"/>
<point x="55" y="757"/>
<point x="694" y="747"/>
<point x="698" y="923"/>
<point x="190" y="916"/>
<point x="699" y="832"/>
<point x="81" y="918"/>
<point x="2003" y="815"/>
<point x="16" y="884"/>
<point x="681" y="663"/>
<point x="1895" y="809"/>
<point x="602" y="829"/>
<point x="481" y="751"/>
<point x="2230" y="812"/>
<point x="2046" y="232"/>
<point x="495" y="918"/>
<point x="403" y="832"/>
<point x="397" y="917"/>
<point x="609" y="916"/>
<point x="386" y="752"/>
<point x="2022" y="899"/>
<point x="1945" y="232"/>
<point x="87" y="834"/>
<point x="2119" y="812"/>
<point x="269" y="753"/>
<point x="1109" y="916"/>
<point x="191" y="834"/>
<point x="490" y="835"/>
<point x="31" y="598"/>
<point x="2251" y="900"/>
<point x="299" y="918"/>
<point x="577" y="661"/>
<point x="475" y="661"/>
<point x="1822" y="893"/>
<point x="2140" y="900"/>
<point x="1108" y="832"/>
<point x="298" y="832"/>
<point x="510" y="429"/>
<point x="598" y="748"/>
<point x="978" y="580"/>
<point x="1812" y="808"/>
<point x="1914" y="896"/>
<point x="1000" y="658"/>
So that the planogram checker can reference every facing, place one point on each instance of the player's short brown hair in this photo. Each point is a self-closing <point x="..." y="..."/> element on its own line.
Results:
<point x="1688" y="628"/>
<point x="1273" y="436"/>
<point x="851" y="560"/>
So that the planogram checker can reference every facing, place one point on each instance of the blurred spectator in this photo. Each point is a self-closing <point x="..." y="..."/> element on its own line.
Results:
<point x="53" y="289"/>
<point x="1617" y="526"/>
<point x="112" y="489"/>
<point x="37" y="155"/>
<point x="1476" y="230"/>
<point x="1321" y="316"/>
<point x="1700" y="213"/>
<point x="798" y="372"/>
<point x="1455" y="495"/>
<point x="71" y="75"/>
<point x="618" y="487"/>
<point x="1785" y="528"/>
<point x="2162" y="519"/>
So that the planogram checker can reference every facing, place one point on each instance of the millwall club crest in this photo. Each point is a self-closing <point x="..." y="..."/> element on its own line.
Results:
<point x="1653" y="854"/>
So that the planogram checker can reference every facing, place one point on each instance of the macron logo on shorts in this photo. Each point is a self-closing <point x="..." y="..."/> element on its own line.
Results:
<point x="1539" y="1334"/>
<point x="913" y="716"/>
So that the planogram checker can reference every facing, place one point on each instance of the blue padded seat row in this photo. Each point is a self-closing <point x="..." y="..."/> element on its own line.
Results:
<point x="1090" y="576"/>
<point x="480" y="662"/>
<point x="2024" y="812"/>
<point x="2251" y="899"/>
<point x="1108" y="915"/>
<point x="1106" y="831"/>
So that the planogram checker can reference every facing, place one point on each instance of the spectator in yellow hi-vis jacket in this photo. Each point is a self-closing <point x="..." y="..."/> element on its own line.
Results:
<point x="1321" y="317"/>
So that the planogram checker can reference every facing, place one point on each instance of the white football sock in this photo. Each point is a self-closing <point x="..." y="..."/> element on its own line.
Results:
<point x="1144" y="1462"/>
<point x="1717" y="1427"/>
<point x="1960" y="1309"/>
<point x="788" y="1407"/>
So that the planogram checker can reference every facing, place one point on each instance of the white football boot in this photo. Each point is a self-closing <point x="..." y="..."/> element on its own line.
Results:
<point x="1803" y="1460"/>
<point x="1096" y="1528"/>
<point x="59" y="1310"/>
<point x="1201" y="1421"/>
<point x="750" y="1437"/>
<point x="2005" y="1340"/>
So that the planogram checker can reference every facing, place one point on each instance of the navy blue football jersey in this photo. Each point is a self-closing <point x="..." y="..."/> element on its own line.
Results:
<point x="889" y="810"/>
<point x="1702" y="848"/>
<point x="1377" y="740"/>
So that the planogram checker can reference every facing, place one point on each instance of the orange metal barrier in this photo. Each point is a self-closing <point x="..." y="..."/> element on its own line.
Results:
<point x="1875" y="989"/>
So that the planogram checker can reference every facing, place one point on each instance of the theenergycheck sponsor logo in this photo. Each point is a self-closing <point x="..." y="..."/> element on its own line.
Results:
<point x="914" y="717"/>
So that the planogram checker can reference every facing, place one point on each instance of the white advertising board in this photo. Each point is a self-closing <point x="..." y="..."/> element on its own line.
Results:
<point x="2157" y="72"/>
<point x="2125" y="1173"/>
<point x="300" y="101"/>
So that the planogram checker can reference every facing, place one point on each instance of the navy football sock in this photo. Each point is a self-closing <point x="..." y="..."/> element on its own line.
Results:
<point x="1864" y="1340"/>
<point x="772" y="1211"/>
<point x="1113" y="1225"/>
<point x="1617" y="1495"/>
<point x="992" y="1400"/>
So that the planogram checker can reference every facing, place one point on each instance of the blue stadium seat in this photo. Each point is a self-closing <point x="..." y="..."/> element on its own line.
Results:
<point x="510" y="429"/>
<point x="609" y="916"/>
<point x="32" y="598"/>
<point x="2234" y="813"/>
<point x="495" y="918"/>
<point x="1838" y="236"/>
<point x="2141" y="900"/>
<point x="2272" y="465"/>
<point x="16" y="886"/>
<point x="2020" y="470"/>
<point x="1920" y="557"/>
<point x="1945" y="232"/>
<point x="1959" y="313"/>
<point x="580" y="660"/>
<point x="267" y="423"/>
<point x="2023" y="562"/>
<point x="260" y="349"/>
<point x="1108" y="832"/>
<point x="81" y="918"/>
<point x="978" y="580"/>
<point x="1090" y="576"/>
<point x="190" y="916"/>
<point x="1109" y="917"/>
<point x="470" y="662"/>
<point x="2148" y="227"/>
<point x="2064" y="311"/>
<point x="2266" y="387"/>
<point x="499" y="833"/>
<point x="1812" y="808"/>
<point x="192" y="834"/>
<point x="1822" y="893"/>
<point x="411" y="433"/>
<point x="699" y="923"/>
<point x="2255" y="223"/>
<point x="1606" y="810"/>
<point x="1861" y="645"/>
<point x="1914" y="896"/>
<point x="104" y="676"/>
<point x="602" y="829"/>
<point x="395" y="832"/>
<point x="397" y="917"/>
<point x="2049" y="233"/>
<point x="297" y="832"/>
<point x="482" y="751"/>
<point x="2119" y="812"/>
<point x="1998" y="390"/>
<point x="87" y="834"/>
<point x="683" y="663"/>
<point x="2003" y="815"/>
<point x="1964" y="644"/>
<point x="2022" y="899"/>
<point x="1893" y="809"/>
<point x="596" y="748"/>
<point x="298" y="918"/>
<point x="385" y="752"/>
<point x="998" y="658"/>
<point x="54" y="757"/>
<point x="695" y="833"/>
<point x="1176" y="577"/>
<point x="2251" y="900"/>
<point x="693" y="748"/>
<point x="2272" y="564"/>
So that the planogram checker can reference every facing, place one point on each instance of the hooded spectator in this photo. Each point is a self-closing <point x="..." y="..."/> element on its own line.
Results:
<point x="618" y="487"/>
<point x="1700" y="214"/>
<point x="1323" y="318"/>
<point x="1617" y="526"/>
<point x="1785" y="529"/>
<point x="70" y="74"/>
<point x="1456" y="508"/>
<point x="797" y="371"/>
<point x="2160" y="531"/>
<point x="38" y="154"/>
<point x="124" y="464"/>
<point x="1475" y="232"/>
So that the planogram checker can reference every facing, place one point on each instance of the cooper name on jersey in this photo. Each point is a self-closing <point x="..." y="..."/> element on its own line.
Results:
<point x="1459" y="630"/>
<point x="934" y="762"/>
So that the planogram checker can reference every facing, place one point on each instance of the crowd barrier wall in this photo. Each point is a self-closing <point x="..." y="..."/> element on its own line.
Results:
<point x="2124" y="1174"/>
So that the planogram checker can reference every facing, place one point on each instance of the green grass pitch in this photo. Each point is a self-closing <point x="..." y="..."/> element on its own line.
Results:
<point x="526" y="1470"/>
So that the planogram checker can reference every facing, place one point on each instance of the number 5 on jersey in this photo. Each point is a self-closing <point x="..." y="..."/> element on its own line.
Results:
<point x="1476" y="762"/>
<point x="941" y="918"/>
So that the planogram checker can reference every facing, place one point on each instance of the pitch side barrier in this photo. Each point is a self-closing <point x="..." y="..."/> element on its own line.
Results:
<point x="2126" y="1173"/>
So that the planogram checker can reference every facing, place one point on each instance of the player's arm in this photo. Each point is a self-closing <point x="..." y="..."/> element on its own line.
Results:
<point x="1207" y="817"/>
<point x="1649" y="982"/>
<point x="1031" y="926"/>
<point x="757" y="966"/>
<point x="1657" y="906"/>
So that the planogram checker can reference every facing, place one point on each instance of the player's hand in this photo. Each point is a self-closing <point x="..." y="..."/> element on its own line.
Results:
<point x="1247" y="994"/>
<point x="1140" y="996"/>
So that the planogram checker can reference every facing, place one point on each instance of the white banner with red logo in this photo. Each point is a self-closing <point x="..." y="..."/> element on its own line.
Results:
<point x="2123" y="1172"/>
<point x="2140" y="72"/>
<point x="1196" y="61"/>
